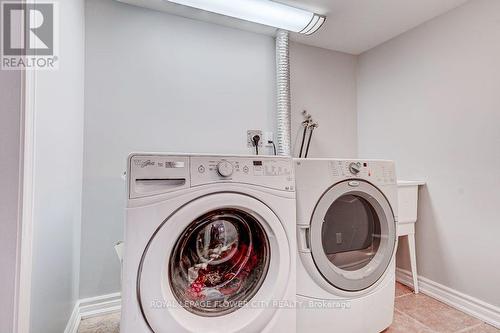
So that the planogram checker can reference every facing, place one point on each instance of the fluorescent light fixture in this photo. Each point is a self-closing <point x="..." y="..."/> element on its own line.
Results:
<point x="264" y="12"/>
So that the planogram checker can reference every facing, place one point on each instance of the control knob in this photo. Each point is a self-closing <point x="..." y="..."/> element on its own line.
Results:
<point x="225" y="169"/>
<point x="355" y="168"/>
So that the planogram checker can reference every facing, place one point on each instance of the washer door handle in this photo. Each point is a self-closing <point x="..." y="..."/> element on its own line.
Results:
<point x="303" y="238"/>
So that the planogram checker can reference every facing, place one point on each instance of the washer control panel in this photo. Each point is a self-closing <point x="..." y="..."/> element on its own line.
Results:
<point x="150" y="174"/>
<point x="268" y="171"/>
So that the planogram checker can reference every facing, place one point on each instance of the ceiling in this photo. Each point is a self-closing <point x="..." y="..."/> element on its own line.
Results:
<point x="355" y="26"/>
<point x="352" y="26"/>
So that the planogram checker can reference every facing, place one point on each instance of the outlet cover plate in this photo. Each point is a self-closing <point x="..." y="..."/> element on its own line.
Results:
<point x="251" y="134"/>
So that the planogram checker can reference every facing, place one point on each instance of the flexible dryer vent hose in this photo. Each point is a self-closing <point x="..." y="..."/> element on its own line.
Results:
<point x="283" y="130"/>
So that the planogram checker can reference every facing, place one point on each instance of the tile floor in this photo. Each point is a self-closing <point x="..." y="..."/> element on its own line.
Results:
<point x="412" y="314"/>
<point x="423" y="314"/>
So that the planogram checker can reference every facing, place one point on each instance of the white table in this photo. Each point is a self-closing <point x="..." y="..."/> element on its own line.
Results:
<point x="407" y="217"/>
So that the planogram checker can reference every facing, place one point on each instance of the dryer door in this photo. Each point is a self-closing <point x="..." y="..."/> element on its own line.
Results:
<point x="352" y="235"/>
<point x="216" y="264"/>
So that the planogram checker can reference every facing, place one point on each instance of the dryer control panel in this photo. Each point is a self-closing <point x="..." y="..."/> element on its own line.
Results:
<point x="379" y="172"/>
<point x="151" y="174"/>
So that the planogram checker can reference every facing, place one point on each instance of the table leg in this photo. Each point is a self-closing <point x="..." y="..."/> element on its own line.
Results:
<point x="413" y="261"/>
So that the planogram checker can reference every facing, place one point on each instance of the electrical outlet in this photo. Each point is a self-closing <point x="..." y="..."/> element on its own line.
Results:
<point x="251" y="134"/>
<point x="268" y="136"/>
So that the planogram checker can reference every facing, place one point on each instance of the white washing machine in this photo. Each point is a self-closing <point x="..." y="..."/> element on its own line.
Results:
<point x="346" y="233"/>
<point x="210" y="244"/>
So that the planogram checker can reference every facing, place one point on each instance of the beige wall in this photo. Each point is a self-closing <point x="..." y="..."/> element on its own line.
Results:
<point x="323" y="82"/>
<point x="10" y="162"/>
<point x="57" y="190"/>
<point x="430" y="99"/>
<point x="159" y="82"/>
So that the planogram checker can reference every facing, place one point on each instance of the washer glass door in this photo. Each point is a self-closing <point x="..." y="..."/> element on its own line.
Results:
<point x="353" y="235"/>
<point x="220" y="260"/>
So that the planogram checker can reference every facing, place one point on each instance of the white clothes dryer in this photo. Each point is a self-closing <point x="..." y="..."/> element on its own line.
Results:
<point x="346" y="233"/>
<point x="210" y="244"/>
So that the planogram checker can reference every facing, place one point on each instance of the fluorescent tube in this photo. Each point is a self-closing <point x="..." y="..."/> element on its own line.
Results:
<point x="264" y="12"/>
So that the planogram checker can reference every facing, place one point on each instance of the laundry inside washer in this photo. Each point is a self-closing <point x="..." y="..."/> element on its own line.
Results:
<point x="220" y="260"/>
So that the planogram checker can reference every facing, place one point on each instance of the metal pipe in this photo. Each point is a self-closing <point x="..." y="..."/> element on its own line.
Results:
<point x="303" y="139"/>
<point x="283" y="124"/>
<point x="307" y="121"/>
<point x="312" y="127"/>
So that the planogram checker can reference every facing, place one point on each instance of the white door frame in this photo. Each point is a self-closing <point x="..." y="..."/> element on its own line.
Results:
<point x="22" y="313"/>
<point x="25" y="239"/>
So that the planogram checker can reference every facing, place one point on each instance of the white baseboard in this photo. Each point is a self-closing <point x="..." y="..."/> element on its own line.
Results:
<point x="91" y="307"/>
<point x="74" y="320"/>
<point x="99" y="305"/>
<point x="475" y="307"/>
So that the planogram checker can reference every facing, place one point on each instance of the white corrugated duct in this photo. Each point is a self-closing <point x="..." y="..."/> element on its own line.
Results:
<point x="283" y="130"/>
